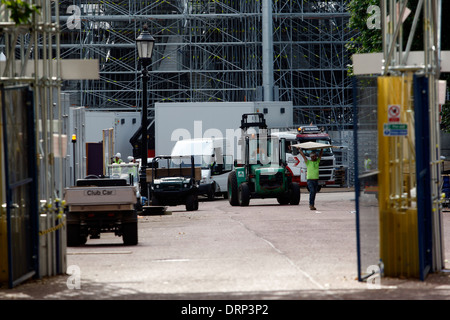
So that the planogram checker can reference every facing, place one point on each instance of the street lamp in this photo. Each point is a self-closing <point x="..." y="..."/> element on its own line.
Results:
<point x="74" y="141"/>
<point x="144" y="43"/>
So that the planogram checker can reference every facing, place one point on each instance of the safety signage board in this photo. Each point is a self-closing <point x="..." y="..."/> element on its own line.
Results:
<point x="393" y="113"/>
<point x="395" y="129"/>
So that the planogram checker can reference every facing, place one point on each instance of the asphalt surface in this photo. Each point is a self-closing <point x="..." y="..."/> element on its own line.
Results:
<point x="261" y="252"/>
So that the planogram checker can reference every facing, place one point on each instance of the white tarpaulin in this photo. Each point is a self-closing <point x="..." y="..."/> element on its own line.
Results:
<point x="312" y="145"/>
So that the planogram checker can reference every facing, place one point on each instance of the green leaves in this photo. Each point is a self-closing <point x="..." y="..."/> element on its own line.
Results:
<point x="365" y="40"/>
<point x="445" y="117"/>
<point x="21" y="11"/>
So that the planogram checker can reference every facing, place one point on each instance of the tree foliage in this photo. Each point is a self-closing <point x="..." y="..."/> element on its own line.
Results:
<point x="364" y="40"/>
<point x="21" y="11"/>
<point x="445" y="115"/>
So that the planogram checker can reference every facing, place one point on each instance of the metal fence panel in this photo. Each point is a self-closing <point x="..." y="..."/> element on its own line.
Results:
<point x="366" y="173"/>
<point x="20" y="183"/>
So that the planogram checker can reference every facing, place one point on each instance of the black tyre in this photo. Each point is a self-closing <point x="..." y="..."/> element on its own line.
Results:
<point x="211" y="191"/>
<point x="196" y="203"/>
<point x="244" y="195"/>
<point x="294" y="193"/>
<point x="138" y="205"/>
<point x="283" y="200"/>
<point x="233" y="189"/>
<point x="191" y="202"/>
<point x="74" y="238"/>
<point x="92" y="176"/>
<point x="130" y="233"/>
<point x="155" y="201"/>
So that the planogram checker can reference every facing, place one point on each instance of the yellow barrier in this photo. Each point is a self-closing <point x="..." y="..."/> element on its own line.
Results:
<point x="397" y="178"/>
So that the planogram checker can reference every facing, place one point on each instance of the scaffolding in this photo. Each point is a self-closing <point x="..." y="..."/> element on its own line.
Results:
<point x="212" y="50"/>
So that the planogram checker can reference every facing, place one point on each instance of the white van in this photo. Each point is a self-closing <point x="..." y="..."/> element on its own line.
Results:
<point x="210" y="155"/>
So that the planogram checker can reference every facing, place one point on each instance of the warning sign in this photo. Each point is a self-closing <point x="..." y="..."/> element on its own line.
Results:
<point x="393" y="113"/>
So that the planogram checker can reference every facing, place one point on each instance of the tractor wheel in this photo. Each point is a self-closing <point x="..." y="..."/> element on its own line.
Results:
<point x="294" y="192"/>
<point x="283" y="200"/>
<point x="244" y="194"/>
<point x="233" y="189"/>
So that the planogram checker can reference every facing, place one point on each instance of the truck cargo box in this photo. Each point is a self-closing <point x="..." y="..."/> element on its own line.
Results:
<point x="100" y="195"/>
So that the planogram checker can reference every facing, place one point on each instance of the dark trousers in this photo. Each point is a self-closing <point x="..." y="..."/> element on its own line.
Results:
<point x="313" y="186"/>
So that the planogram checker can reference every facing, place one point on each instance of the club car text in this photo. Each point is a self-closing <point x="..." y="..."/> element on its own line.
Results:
<point x="97" y="192"/>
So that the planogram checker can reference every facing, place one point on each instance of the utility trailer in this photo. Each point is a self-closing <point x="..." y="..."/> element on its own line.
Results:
<point x="174" y="181"/>
<point x="99" y="205"/>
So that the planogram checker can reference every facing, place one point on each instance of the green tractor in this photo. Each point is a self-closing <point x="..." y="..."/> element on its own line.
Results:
<point x="264" y="172"/>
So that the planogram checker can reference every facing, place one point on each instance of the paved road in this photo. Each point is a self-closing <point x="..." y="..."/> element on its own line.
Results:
<point x="264" y="251"/>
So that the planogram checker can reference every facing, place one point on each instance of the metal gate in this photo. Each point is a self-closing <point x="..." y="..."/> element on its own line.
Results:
<point x="366" y="177"/>
<point x="411" y="242"/>
<point x="20" y="183"/>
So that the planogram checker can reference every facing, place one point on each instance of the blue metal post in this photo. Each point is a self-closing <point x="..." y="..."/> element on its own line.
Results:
<point x="355" y="162"/>
<point x="422" y="129"/>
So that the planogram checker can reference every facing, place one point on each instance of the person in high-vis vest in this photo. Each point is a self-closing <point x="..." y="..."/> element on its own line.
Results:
<point x="117" y="158"/>
<point x="312" y="175"/>
<point x="367" y="162"/>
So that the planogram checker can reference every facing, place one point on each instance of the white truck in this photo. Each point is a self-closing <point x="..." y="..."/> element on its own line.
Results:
<point x="178" y="121"/>
<point x="210" y="155"/>
<point x="297" y="165"/>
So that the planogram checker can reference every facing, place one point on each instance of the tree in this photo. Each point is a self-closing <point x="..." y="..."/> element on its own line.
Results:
<point x="445" y="115"/>
<point x="365" y="39"/>
<point x="21" y="11"/>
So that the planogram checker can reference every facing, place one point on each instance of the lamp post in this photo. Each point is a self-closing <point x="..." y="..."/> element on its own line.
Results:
<point x="74" y="141"/>
<point x="144" y="44"/>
